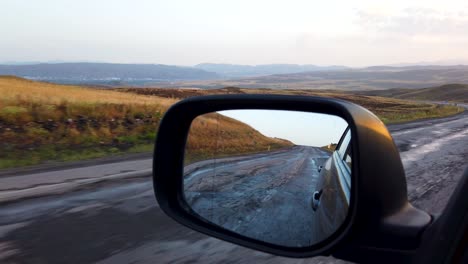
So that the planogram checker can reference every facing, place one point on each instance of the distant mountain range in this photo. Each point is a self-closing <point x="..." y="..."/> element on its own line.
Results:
<point x="388" y="68"/>
<point x="240" y="71"/>
<point x="107" y="73"/>
<point x="377" y="77"/>
<point x="211" y="75"/>
<point x="145" y="74"/>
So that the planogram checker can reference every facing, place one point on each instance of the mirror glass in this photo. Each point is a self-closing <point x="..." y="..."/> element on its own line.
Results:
<point x="282" y="177"/>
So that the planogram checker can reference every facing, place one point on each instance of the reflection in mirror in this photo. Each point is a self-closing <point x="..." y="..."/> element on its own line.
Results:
<point x="282" y="177"/>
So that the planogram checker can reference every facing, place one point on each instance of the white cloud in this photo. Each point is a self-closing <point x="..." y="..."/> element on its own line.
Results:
<point x="415" y="21"/>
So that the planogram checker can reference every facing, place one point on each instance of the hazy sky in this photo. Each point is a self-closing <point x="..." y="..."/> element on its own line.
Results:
<point x="301" y="128"/>
<point x="353" y="33"/>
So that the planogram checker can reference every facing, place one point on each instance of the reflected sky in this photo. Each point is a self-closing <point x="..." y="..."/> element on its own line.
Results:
<point x="301" y="128"/>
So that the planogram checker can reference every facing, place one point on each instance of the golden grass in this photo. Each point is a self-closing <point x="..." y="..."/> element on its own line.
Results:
<point x="449" y="92"/>
<point x="214" y="136"/>
<point x="13" y="89"/>
<point x="43" y="121"/>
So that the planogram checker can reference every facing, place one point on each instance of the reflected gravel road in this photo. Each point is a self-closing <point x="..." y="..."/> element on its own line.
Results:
<point x="119" y="221"/>
<point x="266" y="197"/>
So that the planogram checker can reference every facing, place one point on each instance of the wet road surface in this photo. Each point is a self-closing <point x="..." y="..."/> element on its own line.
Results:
<point x="119" y="221"/>
<point x="434" y="155"/>
<point x="266" y="197"/>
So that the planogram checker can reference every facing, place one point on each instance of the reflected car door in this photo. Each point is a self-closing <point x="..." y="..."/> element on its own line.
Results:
<point x="330" y="201"/>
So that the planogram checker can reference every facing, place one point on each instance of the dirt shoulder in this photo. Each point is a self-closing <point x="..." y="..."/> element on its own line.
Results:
<point x="57" y="165"/>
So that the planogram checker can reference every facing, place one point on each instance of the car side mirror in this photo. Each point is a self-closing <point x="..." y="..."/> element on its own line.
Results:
<point x="274" y="173"/>
<point x="254" y="171"/>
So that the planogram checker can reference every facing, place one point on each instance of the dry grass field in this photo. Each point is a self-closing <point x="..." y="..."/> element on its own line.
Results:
<point x="449" y="92"/>
<point x="390" y="110"/>
<point x="42" y="121"/>
<point x="214" y="135"/>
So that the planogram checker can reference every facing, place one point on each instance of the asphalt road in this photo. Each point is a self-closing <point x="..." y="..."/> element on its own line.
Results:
<point x="118" y="220"/>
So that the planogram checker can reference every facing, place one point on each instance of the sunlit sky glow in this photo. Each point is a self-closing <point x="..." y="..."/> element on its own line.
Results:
<point x="352" y="33"/>
<point x="301" y="128"/>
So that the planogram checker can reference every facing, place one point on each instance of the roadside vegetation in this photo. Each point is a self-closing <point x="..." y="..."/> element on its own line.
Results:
<point x="456" y="93"/>
<point x="43" y="122"/>
<point x="330" y="148"/>
<point x="215" y="136"/>
<point x="392" y="110"/>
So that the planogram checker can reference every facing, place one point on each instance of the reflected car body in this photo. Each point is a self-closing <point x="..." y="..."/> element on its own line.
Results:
<point x="330" y="201"/>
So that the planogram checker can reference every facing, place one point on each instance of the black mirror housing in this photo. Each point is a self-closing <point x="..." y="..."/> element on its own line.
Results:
<point x="378" y="206"/>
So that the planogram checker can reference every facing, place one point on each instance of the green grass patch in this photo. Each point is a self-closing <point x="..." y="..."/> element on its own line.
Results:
<point x="435" y="111"/>
<point x="18" y="158"/>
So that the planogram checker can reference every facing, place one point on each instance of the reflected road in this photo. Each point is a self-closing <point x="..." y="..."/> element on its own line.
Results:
<point x="243" y="195"/>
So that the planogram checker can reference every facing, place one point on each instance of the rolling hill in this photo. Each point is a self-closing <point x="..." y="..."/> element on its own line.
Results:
<point x="447" y="92"/>
<point x="205" y="140"/>
<point x="106" y="73"/>
<point x="373" y="78"/>
<point x="240" y="71"/>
